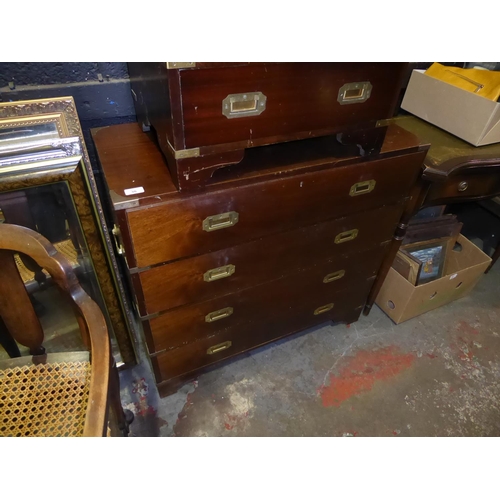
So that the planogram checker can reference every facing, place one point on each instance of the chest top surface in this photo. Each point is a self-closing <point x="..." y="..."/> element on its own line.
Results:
<point x="136" y="171"/>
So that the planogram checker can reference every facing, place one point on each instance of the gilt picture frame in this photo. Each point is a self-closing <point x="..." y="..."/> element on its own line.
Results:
<point x="54" y="125"/>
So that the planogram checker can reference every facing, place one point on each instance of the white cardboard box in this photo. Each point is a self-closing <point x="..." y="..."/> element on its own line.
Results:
<point x="473" y="118"/>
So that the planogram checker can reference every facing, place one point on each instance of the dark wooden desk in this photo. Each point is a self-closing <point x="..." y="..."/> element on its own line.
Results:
<point x="454" y="172"/>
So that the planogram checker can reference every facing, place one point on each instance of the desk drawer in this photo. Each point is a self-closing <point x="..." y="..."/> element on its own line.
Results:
<point x="465" y="187"/>
<point x="195" y="225"/>
<point x="304" y="291"/>
<point x="249" y="264"/>
<point x="225" y="344"/>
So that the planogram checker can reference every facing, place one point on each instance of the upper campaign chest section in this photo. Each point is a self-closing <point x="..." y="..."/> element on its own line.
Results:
<point x="247" y="104"/>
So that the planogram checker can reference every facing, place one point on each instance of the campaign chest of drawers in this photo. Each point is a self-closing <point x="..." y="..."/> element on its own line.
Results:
<point x="292" y="239"/>
<point x="205" y="115"/>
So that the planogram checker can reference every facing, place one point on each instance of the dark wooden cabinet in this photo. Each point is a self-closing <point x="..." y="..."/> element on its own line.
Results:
<point x="206" y="114"/>
<point x="296" y="238"/>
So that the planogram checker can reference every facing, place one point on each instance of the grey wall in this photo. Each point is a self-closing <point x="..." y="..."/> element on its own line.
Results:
<point x="50" y="73"/>
<point x="101" y="90"/>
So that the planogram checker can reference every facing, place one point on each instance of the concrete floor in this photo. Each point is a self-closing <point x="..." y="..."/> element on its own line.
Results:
<point x="434" y="375"/>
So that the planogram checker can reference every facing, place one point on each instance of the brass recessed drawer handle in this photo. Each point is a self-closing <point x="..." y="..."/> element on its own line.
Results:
<point x="363" y="187"/>
<point x="220" y="314"/>
<point x="334" y="276"/>
<point x="219" y="272"/>
<point x="323" y="309"/>
<point x="346" y="236"/>
<point x="244" y="104"/>
<point x="463" y="186"/>
<point x="220" y="221"/>
<point x="354" y="92"/>
<point x="219" y="347"/>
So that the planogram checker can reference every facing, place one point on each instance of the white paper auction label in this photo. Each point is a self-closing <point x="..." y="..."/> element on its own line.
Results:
<point x="453" y="276"/>
<point x="136" y="190"/>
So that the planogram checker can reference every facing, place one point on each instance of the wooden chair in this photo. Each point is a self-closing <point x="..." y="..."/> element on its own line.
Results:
<point x="60" y="394"/>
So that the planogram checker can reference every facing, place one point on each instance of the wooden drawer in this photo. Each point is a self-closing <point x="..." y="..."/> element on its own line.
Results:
<point x="306" y="290"/>
<point x="225" y="344"/>
<point x="181" y="227"/>
<point x="226" y="271"/>
<point x="464" y="187"/>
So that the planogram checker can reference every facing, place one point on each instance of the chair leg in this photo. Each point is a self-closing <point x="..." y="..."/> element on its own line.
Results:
<point x="124" y="417"/>
<point x="7" y="342"/>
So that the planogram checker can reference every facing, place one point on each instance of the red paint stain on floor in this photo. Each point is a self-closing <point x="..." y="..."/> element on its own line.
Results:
<point x="464" y="327"/>
<point x="231" y="421"/>
<point x="361" y="373"/>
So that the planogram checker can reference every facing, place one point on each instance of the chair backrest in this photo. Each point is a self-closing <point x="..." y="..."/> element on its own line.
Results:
<point x="17" y="311"/>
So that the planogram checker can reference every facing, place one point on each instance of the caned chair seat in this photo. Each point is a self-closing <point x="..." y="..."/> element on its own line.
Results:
<point x="65" y="248"/>
<point x="55" y="394"/>
<point x="44" y="395"/>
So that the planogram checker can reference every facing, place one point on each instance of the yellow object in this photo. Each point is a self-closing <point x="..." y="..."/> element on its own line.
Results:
<point x="479" y="81"/>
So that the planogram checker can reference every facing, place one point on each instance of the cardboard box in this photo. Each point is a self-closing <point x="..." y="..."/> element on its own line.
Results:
<point x="401" y="300"/>
<point x="473" y="118"/>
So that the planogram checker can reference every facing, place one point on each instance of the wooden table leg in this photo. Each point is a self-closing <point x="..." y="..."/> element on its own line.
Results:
<point x="414" y="204"/>
<point x="494" y="258"/>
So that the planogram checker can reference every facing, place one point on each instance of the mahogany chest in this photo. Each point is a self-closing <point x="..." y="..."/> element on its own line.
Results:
<point x="206" y="114"/>
<point x="294" y="238"/>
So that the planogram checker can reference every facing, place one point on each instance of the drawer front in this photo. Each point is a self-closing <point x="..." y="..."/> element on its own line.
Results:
<point x="302" y="291"/>
<point x="226" y="271"/>
<point x="176" y="362"/>
<point x="465" y="187"/>
<point x="194" y="225"/>
<point x="288" y="99"/>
